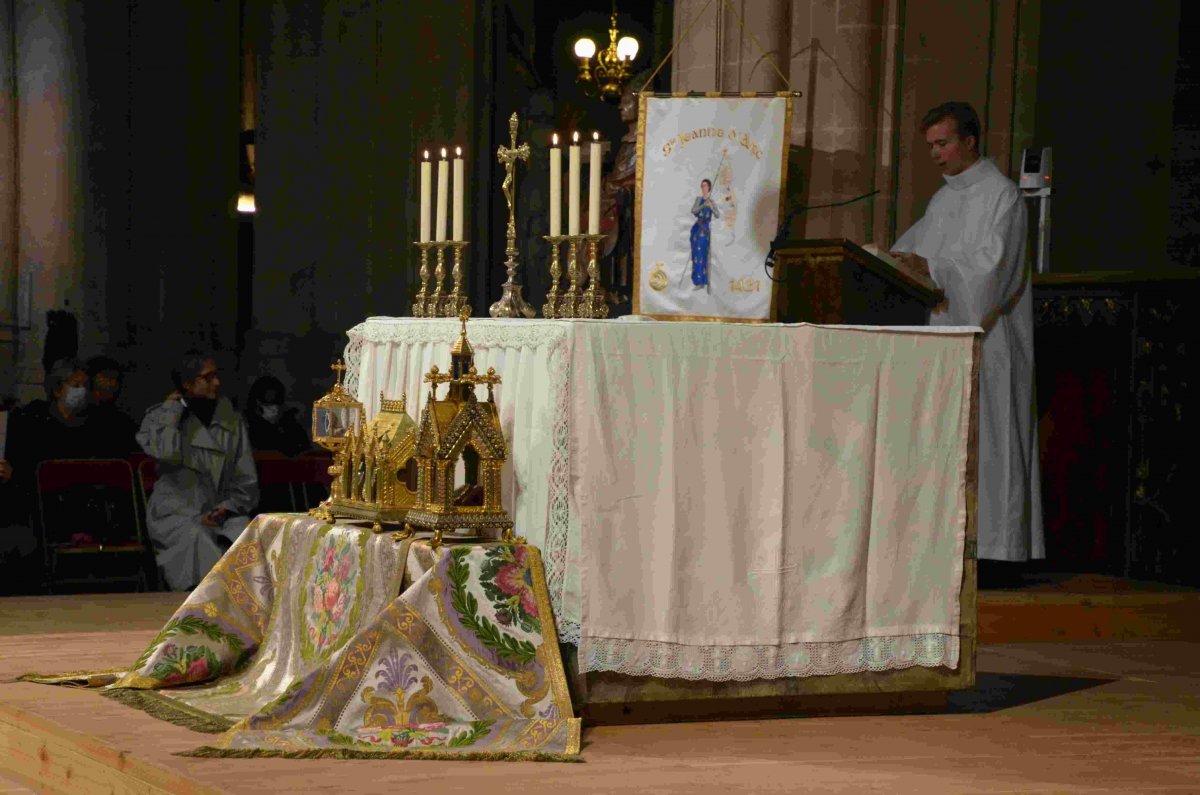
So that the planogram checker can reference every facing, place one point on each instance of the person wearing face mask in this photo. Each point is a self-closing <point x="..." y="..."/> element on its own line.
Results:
<point x="57" y="427"/>
<point x="115" y="430"/>
<point x="44" y="430"/>
<point x="272" y="427"/>
<point x="207" y="484"/>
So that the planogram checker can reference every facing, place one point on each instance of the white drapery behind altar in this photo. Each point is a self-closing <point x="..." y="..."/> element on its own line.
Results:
<point x="724" y="502"/>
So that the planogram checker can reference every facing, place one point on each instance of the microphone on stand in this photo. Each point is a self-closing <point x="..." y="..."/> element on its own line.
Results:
<point x="781" y="236"/>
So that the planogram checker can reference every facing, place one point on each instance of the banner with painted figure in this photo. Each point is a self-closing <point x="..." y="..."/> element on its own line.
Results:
<point x="711" y="175"/>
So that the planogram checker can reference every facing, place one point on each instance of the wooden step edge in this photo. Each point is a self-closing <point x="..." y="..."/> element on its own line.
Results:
<point x="1051" y="599"/>
<point x="59" y="759"/>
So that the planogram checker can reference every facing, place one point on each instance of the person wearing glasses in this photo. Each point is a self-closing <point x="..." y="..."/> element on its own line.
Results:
<point x="207" y="484"/>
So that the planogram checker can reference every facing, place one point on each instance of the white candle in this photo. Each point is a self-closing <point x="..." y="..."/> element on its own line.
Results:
<point x="573" y="186"/>
<point x="443" y="191"/>
<point x="594" y="187"/>
<point x="426" y="196"/>
<point x="458" y="193"/>
<point x="555" y="187"/>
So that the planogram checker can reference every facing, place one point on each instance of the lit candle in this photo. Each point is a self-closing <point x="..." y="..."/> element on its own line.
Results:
<point x="443" y="191"/>
<point x="458" y="193"/>
<point x="426" y="196"/>
<point x="555" y="187"/>
<point x="573" y="186"/>
<point x="594" y="186"/>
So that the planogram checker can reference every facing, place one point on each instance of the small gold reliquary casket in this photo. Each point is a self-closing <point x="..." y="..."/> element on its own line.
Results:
<point x="458" y="428"/>
<point x="374" y="474"/>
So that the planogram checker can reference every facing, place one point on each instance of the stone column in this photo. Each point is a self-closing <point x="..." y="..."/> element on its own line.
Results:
<point x="49" y="174"/>
<point x="836" y="60"/>
<point x="8" y="202"/>
<point x="719" y="55"/>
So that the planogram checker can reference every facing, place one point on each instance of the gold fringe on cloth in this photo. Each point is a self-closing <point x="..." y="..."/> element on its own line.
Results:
<point x="354" y="753"/>
<point x="169" y="710"/>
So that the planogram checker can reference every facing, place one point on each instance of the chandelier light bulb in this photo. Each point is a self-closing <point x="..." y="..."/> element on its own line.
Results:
<point x="443" y="153"/>
<point x="575" y="137"/>
<point x="426" y="154"/>
<point x="627" y="48"/>
<point x="458" y="151"/>
<point x="585" y="48"/>
<point x="554" y="140"/>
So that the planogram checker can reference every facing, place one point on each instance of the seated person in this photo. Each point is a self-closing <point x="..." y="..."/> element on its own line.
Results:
<point x="207" y="483"/>
<point x="273" y="427"/>
<point x="115" y="430"/>
<point x="20" y="565"/>
<point x="44" y="430"/>
<point x="56" y="427"/>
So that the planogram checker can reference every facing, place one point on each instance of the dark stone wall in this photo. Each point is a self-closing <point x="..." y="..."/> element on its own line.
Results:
<point x="1104" y="103"/>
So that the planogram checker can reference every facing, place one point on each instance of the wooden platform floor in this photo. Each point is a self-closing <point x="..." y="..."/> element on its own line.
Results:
<point x="1066" y="716"/>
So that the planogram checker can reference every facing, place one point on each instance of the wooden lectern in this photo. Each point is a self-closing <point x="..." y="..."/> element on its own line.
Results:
<point x="836" y="281"/>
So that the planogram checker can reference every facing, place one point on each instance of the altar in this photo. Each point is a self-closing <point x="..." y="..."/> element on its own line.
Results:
<point x="730" y="510"/>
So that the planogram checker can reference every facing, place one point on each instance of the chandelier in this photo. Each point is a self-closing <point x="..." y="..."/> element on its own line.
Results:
<point x="606" y="71"/>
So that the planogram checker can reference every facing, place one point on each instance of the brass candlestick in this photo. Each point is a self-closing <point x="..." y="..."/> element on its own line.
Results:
<point x="569" y="302"/>
<point x="456" y="300"/>
<point x="511" y="304"/>
<point x="418" y="309"/>
<point x="595" y="300"/>
<point x="550" y="308"/>
<point x="433" y="304"/>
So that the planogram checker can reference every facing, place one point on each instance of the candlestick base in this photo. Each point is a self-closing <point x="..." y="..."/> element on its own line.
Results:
<point x="511" y="303"/>
<point x="418" y="308"/>
<point x="594" y="303"/>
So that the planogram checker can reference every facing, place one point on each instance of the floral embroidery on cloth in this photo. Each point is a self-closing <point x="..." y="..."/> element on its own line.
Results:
<point x="508" y="581"/>
<point x="329" y="598"/>
<point x="179" y="666"/>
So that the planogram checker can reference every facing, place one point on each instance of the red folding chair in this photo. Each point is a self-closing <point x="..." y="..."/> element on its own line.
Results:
<point x="147" y="475"/>
<point x="315" y="486"/>
<point x="279" y="480"/>
<point x="88" y="513"/>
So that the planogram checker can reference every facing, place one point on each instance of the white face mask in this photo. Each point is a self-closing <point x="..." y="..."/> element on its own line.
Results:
<point x="76" y="398"/>
<point x="270" y="413"/>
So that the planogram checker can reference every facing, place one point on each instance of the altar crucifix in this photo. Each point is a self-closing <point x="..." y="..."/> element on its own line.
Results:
<point x="511" y="304"/>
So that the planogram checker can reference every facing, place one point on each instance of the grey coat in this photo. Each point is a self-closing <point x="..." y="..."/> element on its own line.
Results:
<point x="199" y="470"/>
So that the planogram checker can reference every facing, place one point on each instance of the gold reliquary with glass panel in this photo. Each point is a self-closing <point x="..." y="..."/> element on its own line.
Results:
<point x="460" y="435"/>
<point x="374" y="474"/>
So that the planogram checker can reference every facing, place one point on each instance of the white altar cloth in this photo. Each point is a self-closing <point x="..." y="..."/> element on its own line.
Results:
<point x="724" y="502"/>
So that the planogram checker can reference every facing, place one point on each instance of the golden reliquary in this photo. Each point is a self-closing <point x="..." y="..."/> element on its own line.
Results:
<point x="374" y="475"/>
<point x="460" y="427"/>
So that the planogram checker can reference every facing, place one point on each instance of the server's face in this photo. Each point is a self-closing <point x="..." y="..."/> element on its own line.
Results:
<point x="952" y="153"/>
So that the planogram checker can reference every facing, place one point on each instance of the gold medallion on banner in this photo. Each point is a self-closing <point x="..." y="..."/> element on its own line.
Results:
<point x="658" y="278"/>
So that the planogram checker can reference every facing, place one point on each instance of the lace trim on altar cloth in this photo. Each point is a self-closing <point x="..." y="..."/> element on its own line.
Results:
<point x="556" y="334"/>
<point x="353" y="358"/>
<point x="744" y="663"/>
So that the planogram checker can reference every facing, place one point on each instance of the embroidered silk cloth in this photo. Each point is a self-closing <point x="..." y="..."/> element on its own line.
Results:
<point x="726" y="502"/>
<point x="313" y="639"/>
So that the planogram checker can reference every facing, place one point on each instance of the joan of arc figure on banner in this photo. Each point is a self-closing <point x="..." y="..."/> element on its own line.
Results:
<point x="701" y="237"/>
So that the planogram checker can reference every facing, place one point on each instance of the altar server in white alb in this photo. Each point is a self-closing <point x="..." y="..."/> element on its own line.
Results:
<point x="971" y="242"/>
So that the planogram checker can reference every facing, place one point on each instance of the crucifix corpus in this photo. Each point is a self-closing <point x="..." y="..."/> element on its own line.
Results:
<point x="511" y="304"/>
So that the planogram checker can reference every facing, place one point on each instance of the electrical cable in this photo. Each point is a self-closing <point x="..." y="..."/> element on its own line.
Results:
<point x="769" y="262"/>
